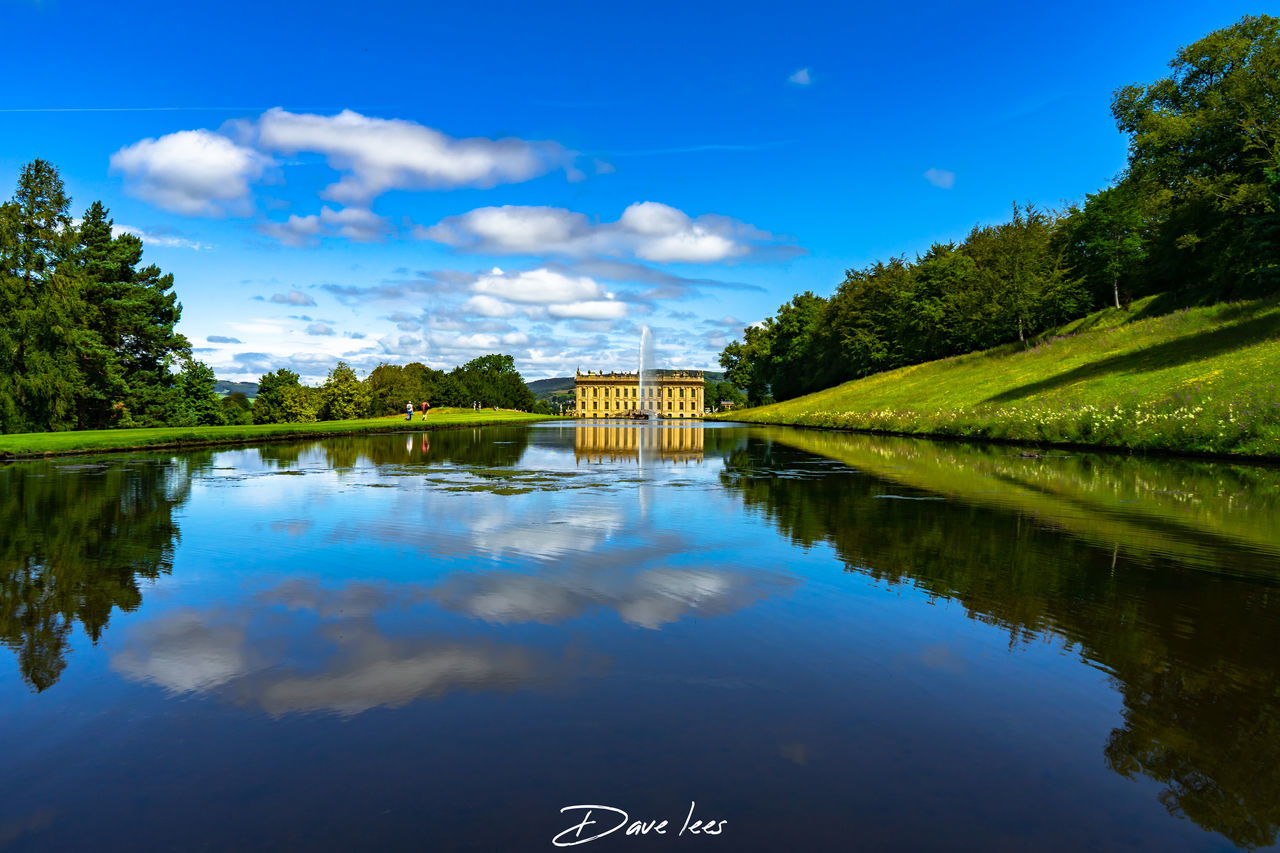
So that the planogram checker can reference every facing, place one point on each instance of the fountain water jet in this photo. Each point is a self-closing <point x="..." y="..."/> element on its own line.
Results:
<point x="645" y="377"/>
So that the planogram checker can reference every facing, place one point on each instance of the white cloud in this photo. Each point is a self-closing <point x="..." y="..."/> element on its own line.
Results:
<point x="511" y="228"/>
<point x="378" y="155"/>
<point x="354" y="223"/>
<point x="648" y="230"/>
<point x="599" y="309"/>
<point x="539" y="286"/>
<point x="319" y="329"/>
<point x="941" y="178"/>
<point x="488" y="306"/>
<point x="192" y="172"/>
<point x="801" y="77"/>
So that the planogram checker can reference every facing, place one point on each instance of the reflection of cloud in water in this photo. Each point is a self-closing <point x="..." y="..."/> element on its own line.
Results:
<point x="184" y="652"/>
<point x="351" y="601"/>
<point x="544" y="538"/>
<point x="352" y="665"/>
<point x="650" y="598"/>
<point x="371" y="671"/>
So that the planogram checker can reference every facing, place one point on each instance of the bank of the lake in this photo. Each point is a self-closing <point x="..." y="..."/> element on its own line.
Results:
<point x="1200" y="380"/>
<point x="35" y="444"/>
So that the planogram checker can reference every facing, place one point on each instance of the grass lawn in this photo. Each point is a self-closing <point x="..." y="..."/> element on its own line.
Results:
<point x="1201" y="380"/>
<point x="88" y="441"/>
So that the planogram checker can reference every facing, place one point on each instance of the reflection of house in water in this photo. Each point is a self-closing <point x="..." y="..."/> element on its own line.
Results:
<point x="625" y="443"/>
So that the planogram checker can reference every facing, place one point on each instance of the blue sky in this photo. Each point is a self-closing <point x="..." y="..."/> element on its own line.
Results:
<point x="431" y="182"/>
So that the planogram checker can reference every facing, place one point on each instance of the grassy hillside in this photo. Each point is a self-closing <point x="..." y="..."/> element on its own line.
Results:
<point x="92" y="441"/>
<point x="1200" y="379"/>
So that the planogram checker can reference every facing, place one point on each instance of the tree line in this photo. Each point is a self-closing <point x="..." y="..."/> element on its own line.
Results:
<point x="488" y="381"/>
<point x="1195" y="216"/>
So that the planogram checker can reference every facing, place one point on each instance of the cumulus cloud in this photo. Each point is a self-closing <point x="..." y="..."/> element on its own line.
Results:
<point x="319" y="329"/>
<point x="801" y="77"/>
<point x="353" y="223"/>
<point x="293" y="297"/>
<point x="210" y="173"/>
<point x="192" y="172"/>
<point x="537" y="286"/>
<point x="563" y="297"/>
<point x="647" y="230"/>
<point x="223" y="339"/>
<point x="941" y="178"/>
<point x="377" y="154"/>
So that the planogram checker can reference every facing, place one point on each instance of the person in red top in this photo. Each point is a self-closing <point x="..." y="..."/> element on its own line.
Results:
<point x="425" y="406"/>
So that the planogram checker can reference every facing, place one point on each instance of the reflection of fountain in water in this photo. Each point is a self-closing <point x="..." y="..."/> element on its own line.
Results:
<point x="645" y="377"/>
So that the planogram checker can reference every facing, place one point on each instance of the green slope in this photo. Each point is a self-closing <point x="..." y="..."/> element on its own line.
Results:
<point x="1200" y="379"/>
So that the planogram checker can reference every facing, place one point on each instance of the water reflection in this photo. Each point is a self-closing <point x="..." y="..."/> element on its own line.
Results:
<point x="302" y="647"/>
<point x="614" y="443"/>
<point x="475" y="579"/>
<point x="77" y="537"/>
<point x="1177" y="599"/>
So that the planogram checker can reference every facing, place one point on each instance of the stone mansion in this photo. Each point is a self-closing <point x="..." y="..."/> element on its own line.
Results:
<point x="670" y="393"/>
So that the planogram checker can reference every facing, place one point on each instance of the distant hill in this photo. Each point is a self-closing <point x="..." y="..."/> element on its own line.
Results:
<point x="545" y="389"/>
<point x="225" y="388"/>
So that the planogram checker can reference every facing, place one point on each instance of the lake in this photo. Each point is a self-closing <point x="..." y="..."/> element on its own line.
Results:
<point x="772" y="639"/>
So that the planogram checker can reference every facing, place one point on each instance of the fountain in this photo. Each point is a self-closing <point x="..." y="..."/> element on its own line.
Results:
<point x="645" y="376"/>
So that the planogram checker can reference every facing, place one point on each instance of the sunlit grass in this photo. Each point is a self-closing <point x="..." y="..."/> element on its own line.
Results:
<point x="48" y="443"/>
<point x="1194" y="380"/>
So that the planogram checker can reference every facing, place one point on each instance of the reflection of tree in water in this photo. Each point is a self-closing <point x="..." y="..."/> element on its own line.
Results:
<point x="488" y="447"/>
<point x="1193" y="651"/>
<point x="77" y="536"/>
<point x="284" y="454"/>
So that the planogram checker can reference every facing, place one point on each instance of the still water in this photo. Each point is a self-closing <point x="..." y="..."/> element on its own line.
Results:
<point x="811" y="641"/>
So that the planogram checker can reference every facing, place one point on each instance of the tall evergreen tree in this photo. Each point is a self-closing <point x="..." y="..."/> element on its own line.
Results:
<point x="134" y="313"/>
<point x="44" y="337"/>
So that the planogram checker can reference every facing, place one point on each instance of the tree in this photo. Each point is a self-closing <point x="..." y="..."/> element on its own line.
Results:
<point x="86" y="338"/>
<point x="388" y="388"/>
<point x="134" y="312"/>
<point x="236" y="408"/>
<point x="343" y="396"/>
<point x="791" y="352"/>
<point x="1105" y="239"/>
<point x="746" y="364"/>
<point x="44" y="340"/>
<point x="1203" y="138"/>
<point x="273" y="389"/>
<point x="493" y="380"/>
<point x="199" y="403"/>
<point x="298" y="405"/>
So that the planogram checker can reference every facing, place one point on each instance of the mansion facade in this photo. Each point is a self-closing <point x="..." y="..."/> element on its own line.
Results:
<point x="671" y="394"/>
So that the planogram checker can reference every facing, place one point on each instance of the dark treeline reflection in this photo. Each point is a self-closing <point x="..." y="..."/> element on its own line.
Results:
<point x="1192" y="648"/>
<point x="76" y="538"/>
<point x="487" y="448"/>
